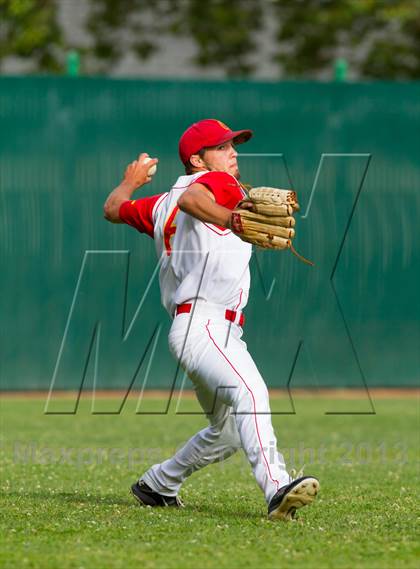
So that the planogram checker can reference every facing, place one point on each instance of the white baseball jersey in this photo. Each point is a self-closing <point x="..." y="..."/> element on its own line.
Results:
<point x="198" y="260"/>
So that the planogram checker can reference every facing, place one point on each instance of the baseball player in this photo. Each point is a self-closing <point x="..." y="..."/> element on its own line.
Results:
<point x="204" y="281"/>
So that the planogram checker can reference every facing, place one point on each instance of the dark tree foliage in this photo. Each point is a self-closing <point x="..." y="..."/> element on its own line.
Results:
<point x="118" y="26"/>
<point x="221" y="29"/>
<point x="380" y="38"/>
<point x="223" y="32"/>
<point x="29" y="28"/>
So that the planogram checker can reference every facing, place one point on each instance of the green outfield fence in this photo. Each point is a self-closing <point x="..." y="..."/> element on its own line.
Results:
<point x="351" y="151"/>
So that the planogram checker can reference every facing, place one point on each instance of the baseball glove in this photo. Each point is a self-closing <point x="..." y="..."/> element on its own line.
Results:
<point x="265" y="218"/>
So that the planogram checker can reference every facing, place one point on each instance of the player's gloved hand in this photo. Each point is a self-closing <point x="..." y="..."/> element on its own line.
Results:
<point x="265" y="218"/>
<point x="137" y="173"/>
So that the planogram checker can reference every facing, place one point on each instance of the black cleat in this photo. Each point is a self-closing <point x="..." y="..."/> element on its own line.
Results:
<point x="289" y="498"/>
<point x="148" y="497"/>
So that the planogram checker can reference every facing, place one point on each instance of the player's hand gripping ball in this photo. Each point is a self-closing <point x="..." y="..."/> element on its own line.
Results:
<point x="137" y="173"/>
<point x="152" y="170"/>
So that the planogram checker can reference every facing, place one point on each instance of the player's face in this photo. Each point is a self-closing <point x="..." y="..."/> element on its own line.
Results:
<point x="222" y="158"/>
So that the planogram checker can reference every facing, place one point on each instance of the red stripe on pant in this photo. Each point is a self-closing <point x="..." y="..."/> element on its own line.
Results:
<point x="253" y="400"/>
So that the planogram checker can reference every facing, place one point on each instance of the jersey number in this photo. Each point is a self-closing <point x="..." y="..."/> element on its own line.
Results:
<point x="169" y="230"/>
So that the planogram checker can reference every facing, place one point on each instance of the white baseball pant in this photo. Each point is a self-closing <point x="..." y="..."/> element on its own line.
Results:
<point x="232" y="394"/>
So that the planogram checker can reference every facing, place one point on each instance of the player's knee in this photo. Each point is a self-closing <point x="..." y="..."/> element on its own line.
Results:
<point x="231" y="433"/>
<point x="226" y="431"/>
<point x="214" y="432"/>
<point x="252" y="400"/>
<point x="262" y="398"/>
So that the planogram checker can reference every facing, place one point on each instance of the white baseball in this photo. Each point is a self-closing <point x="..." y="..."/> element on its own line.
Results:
<point x="152" y="170"/>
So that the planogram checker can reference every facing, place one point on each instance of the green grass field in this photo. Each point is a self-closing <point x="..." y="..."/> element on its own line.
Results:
<point x="65" y="491"/>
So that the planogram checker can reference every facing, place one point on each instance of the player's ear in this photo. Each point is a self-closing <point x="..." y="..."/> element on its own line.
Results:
<point x="197" y="161"/>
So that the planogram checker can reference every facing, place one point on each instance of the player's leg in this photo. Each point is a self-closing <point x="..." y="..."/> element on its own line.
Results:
<point x="214" y="443"/>
<point x="228" y="364"/>
<point x="249" y="399"/>
<point x="226" y="369"/>
<point x="216" y="358"/>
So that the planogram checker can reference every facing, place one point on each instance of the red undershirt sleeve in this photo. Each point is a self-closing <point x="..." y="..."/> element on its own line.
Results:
<point x="138" y="214"/>
<point x="225" y="188"/>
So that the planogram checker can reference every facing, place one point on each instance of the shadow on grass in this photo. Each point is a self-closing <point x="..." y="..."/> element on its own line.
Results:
<point x="73" y="497"/>
<point x="221" y="512"/>
<point x="201" y="509"/>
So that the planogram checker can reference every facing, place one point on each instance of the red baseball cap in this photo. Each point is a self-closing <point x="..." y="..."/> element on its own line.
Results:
<point x="208" y="132"/>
